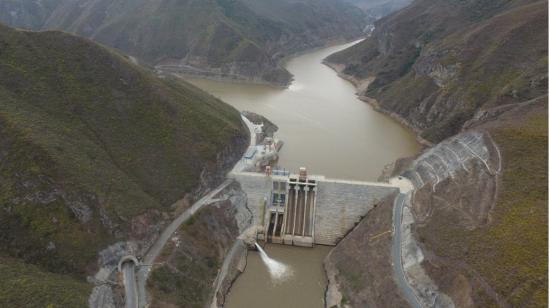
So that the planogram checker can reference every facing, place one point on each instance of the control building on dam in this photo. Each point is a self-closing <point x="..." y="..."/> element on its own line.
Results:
<point x="303" y="210"/>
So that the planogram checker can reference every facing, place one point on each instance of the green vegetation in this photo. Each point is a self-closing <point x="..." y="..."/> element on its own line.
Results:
<point x="518" y="239"/>
<point x="510" y="251"/>
<point x="24" y="285"/>
<point x="186" y="277"/>
<point x="221" y="36"/>
<point x="88" y="142"/>
<point x="437" y="62"/>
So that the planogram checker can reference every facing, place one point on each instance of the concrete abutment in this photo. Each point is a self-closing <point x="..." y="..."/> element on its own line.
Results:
<point x="303" y="210"/>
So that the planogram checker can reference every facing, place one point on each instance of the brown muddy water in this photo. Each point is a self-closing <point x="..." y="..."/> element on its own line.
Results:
<point x="302" y="287"/>
<point x="327" y="129"/>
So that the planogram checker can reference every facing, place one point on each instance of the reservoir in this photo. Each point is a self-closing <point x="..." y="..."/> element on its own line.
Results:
<point x="327" y="129"/>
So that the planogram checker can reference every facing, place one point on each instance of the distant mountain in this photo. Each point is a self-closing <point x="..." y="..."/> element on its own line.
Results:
<point x="436" y="63"/>
<point x="376" y="9"/>
<point x="237" y="39"/>
<point x="93" y="150"/>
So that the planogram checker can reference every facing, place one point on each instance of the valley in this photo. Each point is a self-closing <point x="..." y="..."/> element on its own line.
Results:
<point x="150" y="148"/>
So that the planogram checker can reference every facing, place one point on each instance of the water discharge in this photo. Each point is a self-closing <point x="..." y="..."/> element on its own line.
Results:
<point x="327" y="129"/>
<point x="277" y="270"/>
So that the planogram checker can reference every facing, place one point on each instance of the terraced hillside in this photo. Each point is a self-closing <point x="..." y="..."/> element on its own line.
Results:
<point x="93" y="150"/>
<point x="243" y="40"/>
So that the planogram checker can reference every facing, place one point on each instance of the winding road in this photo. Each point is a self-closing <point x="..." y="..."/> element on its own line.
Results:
<point x="134" y="300"/>
<point x="405" y="192"/>
<point x="398" y="271"/>
<point x="155" y="250"/>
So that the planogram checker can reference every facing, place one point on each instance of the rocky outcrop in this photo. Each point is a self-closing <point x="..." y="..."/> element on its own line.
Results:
<point x="79" y="174"/>
<point x="469" y="78"/>
<point x="234" y="265"/>
<point x="458" y="176"/>
<point x="268" y="128"/>
<point x="435" y="64"/>
<point x="193" y="266"/>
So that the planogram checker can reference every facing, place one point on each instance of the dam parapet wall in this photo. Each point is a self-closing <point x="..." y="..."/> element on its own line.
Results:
<point x="305" y="210"/>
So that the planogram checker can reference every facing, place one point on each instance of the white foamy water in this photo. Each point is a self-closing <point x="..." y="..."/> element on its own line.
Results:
<point x="277" y="270"/>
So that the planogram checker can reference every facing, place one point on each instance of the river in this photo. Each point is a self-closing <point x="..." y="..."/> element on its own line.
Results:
<point x="327" y="129"/>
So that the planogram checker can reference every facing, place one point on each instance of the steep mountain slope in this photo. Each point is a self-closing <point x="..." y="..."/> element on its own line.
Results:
<point x="436" y="63"/>
<point x="376" y="9"/>
<point x="478" y="215"/>
<point x="471" y="77"/>
<point x="243" y="40"/>
<point x="94" y="150"/>
<point x="30" y="14"/>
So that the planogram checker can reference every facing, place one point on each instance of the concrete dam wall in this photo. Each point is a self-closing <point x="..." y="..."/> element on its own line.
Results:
<point x="342" y="204"/>
<point x="302" y="210"/>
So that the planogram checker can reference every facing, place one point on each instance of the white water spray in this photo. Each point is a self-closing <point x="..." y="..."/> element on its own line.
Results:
<point x="277" y="270"/>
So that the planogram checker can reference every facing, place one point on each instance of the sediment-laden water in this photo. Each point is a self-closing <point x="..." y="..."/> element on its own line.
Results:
<point x="327" y="129"/>
<point x="302" y="286"/>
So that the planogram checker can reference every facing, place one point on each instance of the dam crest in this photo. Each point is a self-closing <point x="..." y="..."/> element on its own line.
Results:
<point x="303" y="210"/>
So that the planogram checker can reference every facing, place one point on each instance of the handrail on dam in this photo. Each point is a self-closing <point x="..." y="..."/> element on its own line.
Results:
<point x="320" y="177"/>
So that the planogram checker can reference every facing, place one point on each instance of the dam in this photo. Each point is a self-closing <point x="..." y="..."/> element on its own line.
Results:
<point x="303" y="210"/>
<point x="327" y="129"/>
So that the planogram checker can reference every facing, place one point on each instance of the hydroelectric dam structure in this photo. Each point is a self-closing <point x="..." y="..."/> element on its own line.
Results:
<point x="304" y="210"/>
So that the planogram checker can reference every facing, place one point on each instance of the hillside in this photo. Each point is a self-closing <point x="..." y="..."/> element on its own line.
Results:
<point x="243" y="40"/>
<point x="376" y="9"/>
<point x="436" y="63"/>
<point x="470" y="78"/>
<point x="480" y="219"/>
<point x="94" y="150"/>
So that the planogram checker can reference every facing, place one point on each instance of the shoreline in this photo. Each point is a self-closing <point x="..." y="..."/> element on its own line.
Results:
<point x="243" y="79"/>
<point x="236" y="79"/>
<point x="362" y="85"/>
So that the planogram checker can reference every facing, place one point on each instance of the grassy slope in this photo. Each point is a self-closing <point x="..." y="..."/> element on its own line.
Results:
<point x="499" y="51"/>
<point x="510" y="251"/>
<point x="208" y="34"/>
<point x="24" y="285"/>
<point x="519" y="240"/>
<point x="495" y="52"/>
<point x="89" y="141"/>
<point x="186" y="277"/>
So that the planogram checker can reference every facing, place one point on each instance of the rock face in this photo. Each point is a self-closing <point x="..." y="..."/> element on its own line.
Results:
<point x="470" y="77"/>
<point x="457" y="177"/>
<point x="359" y="267"/>
<point x="441" y="174"/>
<point x="193" y="260"/>
<point x="241" y="40"/>
<point x="437" y="63"/>
<point x="464" y="221"/>
<point x="473" y="232"/>
<point x="94" y="151"/>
